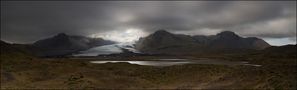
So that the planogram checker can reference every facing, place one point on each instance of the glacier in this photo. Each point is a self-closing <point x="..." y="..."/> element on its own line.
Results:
<point x="108" y="49"/>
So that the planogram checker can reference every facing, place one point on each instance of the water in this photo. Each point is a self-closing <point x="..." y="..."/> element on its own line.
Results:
<point x="146" y="63"/>
<point x="170" y="62"/>
<point x="170" y="59"/>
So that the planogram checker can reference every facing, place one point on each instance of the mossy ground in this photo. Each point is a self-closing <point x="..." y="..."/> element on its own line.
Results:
<point x="22" y="72"/>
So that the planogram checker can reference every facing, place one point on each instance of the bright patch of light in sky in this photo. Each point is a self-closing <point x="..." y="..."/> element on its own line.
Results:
<point x="128" y="35"/>
<point x="123" y="17"/>
<point x="280" y="41"/>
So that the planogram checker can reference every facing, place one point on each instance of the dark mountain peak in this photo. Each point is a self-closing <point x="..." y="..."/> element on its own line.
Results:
<point x="159" y="34"/>
<point x="162" y="32"/>
<point x="63" y="44"/>
<point x="61" y="35"/>
<point x="228" y="34"/>
<point x="61" y="38"/>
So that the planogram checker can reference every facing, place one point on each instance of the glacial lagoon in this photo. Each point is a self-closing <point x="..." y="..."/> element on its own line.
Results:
<point x="170" y="62"/>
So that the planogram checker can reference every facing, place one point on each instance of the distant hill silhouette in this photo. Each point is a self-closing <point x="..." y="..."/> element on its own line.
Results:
<point x="165" y="42"/>
<point x="13" y="51"/>
<point x="284" y="51"/>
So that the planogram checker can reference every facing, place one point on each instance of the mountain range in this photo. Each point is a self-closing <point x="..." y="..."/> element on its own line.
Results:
<point x="165" y="42"/>
<point x="159" y="42"/>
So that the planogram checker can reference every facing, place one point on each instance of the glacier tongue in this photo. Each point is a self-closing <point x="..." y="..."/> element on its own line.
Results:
<point x="108" y="49"/>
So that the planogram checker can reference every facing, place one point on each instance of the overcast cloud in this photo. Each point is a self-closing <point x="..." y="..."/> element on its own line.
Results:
<point x="26" y="22"/>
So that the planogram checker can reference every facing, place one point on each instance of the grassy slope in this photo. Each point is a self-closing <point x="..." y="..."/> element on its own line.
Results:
<point x="24" y="71"/>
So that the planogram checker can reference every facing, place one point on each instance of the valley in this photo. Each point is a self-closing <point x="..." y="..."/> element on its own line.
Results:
<point x="66" y="73"/>
<point x="270" y="68"/>
<point x="151" y="44"/>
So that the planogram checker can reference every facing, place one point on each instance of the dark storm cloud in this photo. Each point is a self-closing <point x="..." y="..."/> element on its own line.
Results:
<point x="30" y="21"/>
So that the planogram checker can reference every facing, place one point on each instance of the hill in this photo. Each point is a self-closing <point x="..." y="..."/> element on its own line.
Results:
<point x="63" y="44"/>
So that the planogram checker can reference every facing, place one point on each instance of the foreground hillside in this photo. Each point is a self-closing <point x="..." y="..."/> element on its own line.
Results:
<point x="22" y="71"/>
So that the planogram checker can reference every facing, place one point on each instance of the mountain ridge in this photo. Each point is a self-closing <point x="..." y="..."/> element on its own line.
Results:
<point x="159" y="42"/>
<point x="163" y="41"/>
<point x="63" y="44"/>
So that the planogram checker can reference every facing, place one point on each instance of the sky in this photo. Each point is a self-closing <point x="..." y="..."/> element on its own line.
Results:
<point x="29" y="21"/>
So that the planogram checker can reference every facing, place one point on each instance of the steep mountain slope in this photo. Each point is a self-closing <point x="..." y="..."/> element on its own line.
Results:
<point x="164" y="42"/>
<point x="63" y="44"/>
